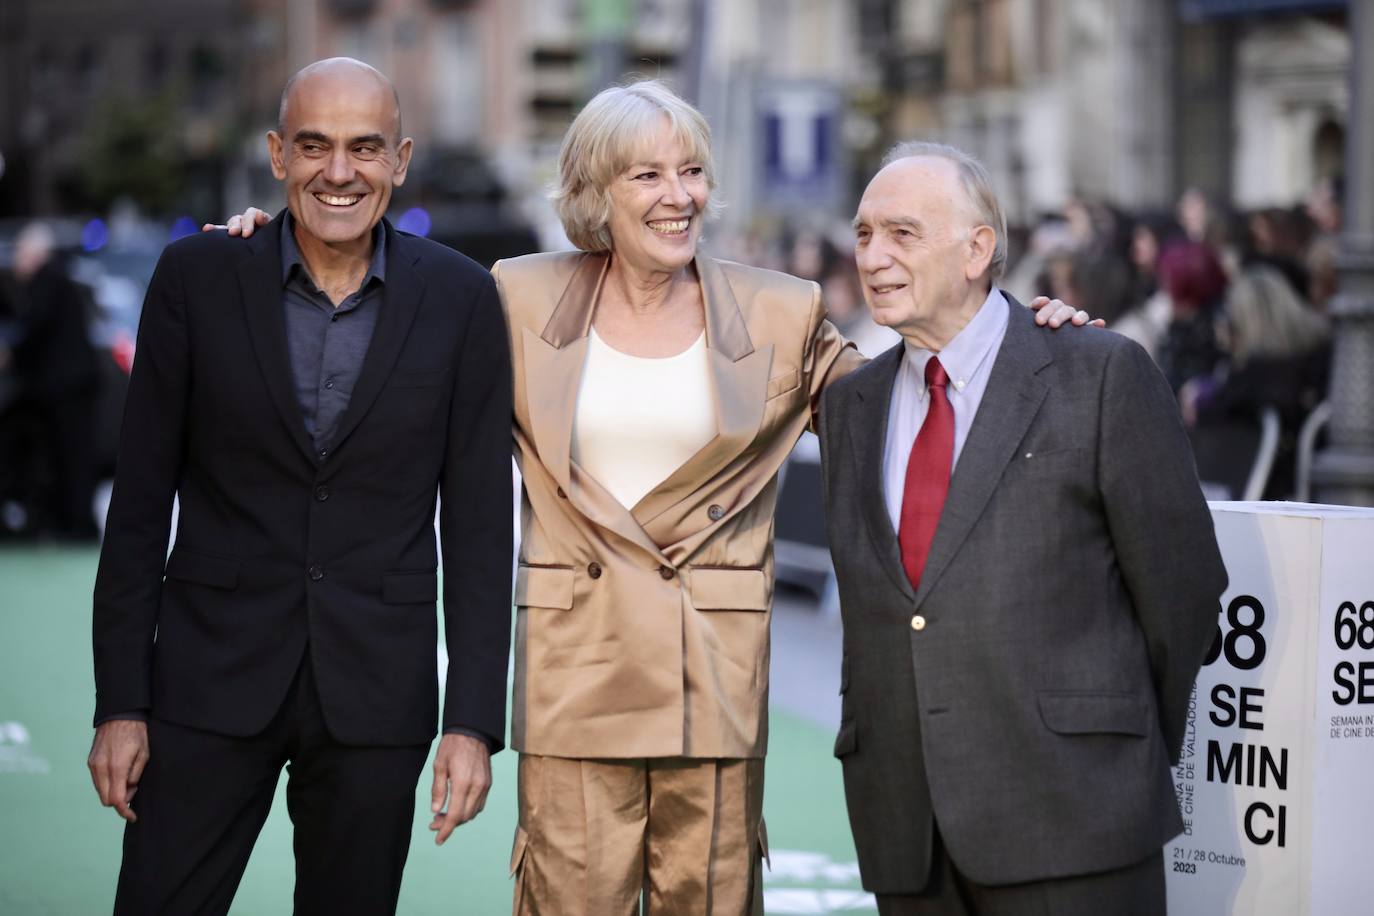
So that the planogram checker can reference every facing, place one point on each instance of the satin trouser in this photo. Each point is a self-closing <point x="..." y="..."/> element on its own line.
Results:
<point x="600" y="837"/>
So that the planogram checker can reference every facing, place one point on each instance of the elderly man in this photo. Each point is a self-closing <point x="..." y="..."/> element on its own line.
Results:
<point x="1027" y="591"/>
<point x="306" y="395"/>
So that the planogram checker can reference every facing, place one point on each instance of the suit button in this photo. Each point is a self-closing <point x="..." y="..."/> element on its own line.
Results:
<point x="324" y="453"/>
<point x="321" y="493"/>
<point x="594" y="570"/>
<point x="666" y="572"/>
<point x="316" y="574"/>
<point x="918" y="623"/>
<point x="715" y="513"/>
<point x="561" y="494"/>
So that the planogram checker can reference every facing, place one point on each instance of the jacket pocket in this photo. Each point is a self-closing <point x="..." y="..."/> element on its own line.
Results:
<point x="544" y="586"/>
<point x="724" y="588"/>
<point x="1073" y="713"/>
<point x="410" y="588"/>
<point x="203" y="568"/>
<point x="847" y="741"/>
<point x="781" y="384"/>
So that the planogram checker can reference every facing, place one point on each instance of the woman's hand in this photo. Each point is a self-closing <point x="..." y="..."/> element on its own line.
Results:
<point x="243" y="224"/>
<point x="1048" y="311"/>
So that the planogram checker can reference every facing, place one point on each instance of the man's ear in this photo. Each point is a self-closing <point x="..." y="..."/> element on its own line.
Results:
<point x="276" y="151"/>
<point x="982" y="242"/>
<point x="403" y="151"/>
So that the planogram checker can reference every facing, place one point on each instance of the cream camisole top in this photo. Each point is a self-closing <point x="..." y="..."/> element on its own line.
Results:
<point x="639" y="419"/>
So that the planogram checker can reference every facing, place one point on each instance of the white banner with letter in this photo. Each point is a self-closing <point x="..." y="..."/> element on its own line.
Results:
<point x="1276" y="781"/>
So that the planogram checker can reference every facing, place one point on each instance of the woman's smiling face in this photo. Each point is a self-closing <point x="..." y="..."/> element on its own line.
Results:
<point x="657" y="205"/>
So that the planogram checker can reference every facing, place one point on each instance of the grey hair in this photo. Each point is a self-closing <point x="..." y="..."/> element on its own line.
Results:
<point x="977" y="185"/>
<point x="604" y="140"/>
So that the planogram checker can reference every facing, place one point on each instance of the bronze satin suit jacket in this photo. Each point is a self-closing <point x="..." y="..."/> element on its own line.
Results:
<point x="644" y="632"/>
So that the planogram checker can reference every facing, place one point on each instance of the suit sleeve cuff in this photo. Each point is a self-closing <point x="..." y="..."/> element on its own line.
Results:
<point x="482" y="736"/>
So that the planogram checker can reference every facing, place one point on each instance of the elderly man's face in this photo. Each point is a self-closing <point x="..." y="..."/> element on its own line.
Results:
<point x="339" y="153"/>
<point x="912" y="243"/>
<point x="658" y="204"/>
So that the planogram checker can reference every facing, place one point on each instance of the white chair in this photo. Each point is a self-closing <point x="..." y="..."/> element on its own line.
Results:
<point x="1307" y="445"/>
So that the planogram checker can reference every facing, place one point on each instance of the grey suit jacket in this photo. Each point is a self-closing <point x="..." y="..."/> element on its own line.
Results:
<point x="1069" y="597"/>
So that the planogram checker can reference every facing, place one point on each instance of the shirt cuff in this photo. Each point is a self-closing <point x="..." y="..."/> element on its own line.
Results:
<point x="137" y="715"/>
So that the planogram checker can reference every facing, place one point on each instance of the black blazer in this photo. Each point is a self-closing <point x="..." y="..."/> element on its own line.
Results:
<point x="1069" y="597"/>
<point x="281" y="548"/>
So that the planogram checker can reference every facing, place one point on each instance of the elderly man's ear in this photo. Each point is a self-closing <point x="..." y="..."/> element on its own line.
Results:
<point x="982" y="241"/>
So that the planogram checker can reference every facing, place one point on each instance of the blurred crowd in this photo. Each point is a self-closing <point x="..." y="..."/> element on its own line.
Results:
<point x="1231" y="305"/>
<point x="49" y="389"/>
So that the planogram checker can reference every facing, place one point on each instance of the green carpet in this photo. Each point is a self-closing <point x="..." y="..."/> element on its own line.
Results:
<point x="59" y="849"/>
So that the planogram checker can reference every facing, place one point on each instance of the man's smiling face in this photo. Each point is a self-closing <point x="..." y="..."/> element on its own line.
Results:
<point x="912" y="244"/>
<point x="339" y="151"/>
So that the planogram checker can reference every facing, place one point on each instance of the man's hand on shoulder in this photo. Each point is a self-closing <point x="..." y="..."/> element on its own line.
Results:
<point x="462" y="777"/>
<point x="118" y="755"/>
<point x="243" y="223"/>
<point x="1053" y="312"/>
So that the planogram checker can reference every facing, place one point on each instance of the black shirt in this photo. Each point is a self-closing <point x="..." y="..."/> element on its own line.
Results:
<point x="327" y="344"/>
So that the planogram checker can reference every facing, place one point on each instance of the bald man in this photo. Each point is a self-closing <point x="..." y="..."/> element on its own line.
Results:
<point x="307" y="395"/>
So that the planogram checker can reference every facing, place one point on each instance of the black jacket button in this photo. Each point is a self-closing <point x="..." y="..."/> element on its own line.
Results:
<point x="666" y="572"/>
<point x="716" y="512"/>
<point x="594" y="570"/>
<point x="316" y="574"/>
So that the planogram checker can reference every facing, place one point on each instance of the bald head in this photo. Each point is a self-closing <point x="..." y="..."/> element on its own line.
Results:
<point x="338" y="74"/>
<point x="340" y="152"/>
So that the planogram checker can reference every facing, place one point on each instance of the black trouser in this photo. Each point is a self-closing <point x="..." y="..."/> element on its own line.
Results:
<point x="204" y="797"/>
<point x="1136" y="890"/>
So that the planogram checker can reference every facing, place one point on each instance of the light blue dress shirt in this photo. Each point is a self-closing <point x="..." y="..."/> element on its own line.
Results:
<point x="968" y="360"/>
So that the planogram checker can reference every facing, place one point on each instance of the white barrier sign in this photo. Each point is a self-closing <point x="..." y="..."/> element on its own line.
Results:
<point x="1276" y="781"/>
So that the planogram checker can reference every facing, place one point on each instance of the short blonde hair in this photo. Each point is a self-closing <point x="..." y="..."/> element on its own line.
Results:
<point x="977" y="185"/>
<point x="604" y="139"/>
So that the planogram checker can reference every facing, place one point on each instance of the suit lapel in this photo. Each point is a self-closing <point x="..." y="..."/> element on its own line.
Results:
<point x="554" y="361"/>
<point x="739" y="381"/>
<point x="261" y="287"/>
<point x="1010" y="402"/>
<point x="869" y="403"/>
<point x="402" y="293"/>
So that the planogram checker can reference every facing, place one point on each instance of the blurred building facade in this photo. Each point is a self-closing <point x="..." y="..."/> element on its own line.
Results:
<point x="100" y="100"/>
<point x="1124" y="102"/>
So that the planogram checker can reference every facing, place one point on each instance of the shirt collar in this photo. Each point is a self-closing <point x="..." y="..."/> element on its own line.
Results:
<point x="966" y="355"/>
<point x="291" y="258"/>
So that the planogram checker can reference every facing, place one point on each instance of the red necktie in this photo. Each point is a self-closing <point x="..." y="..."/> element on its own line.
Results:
<point x="927" y="475"/>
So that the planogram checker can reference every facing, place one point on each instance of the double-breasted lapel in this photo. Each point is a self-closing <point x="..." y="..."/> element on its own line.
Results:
<point x="739" y="382"/>
<point x="401" y="296"/>
<point x="870" y="399"/>
<point x="554" y="361"/>
<point x="260" y="286"/>
<point x="1010" y="402"/>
